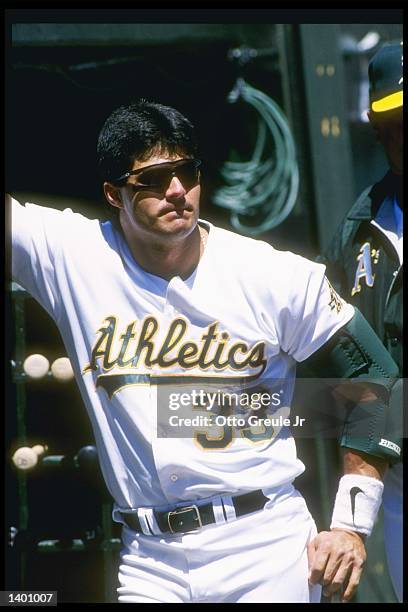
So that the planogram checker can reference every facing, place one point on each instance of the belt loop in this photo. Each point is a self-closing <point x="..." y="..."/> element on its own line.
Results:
<point x="229" y="508"/>
<point x="153" y="524"/>
<point x="218" y="510"/>
<point x="142" y="514"/>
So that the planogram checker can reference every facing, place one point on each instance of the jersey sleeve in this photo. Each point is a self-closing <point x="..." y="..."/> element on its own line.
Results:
<point x="315" y="311"/>
<point x="35" y="234"/>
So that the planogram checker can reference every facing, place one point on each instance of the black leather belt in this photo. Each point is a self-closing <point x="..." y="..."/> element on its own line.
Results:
<point x="193" y="517"/>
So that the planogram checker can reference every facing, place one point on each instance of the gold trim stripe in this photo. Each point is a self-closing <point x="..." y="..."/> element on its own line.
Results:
<point x="390" y="102"/>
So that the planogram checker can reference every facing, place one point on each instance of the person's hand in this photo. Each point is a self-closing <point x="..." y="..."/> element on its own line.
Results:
<point x="336" y="560"/>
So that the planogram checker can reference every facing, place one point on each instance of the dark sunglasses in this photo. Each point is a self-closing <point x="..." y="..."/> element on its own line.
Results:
<point x="158" y="176"/>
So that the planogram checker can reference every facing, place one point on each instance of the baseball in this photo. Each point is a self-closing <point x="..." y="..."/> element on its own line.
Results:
<point x="25" y="458"/>
<point x="36" y="366"/>
<point x="62" y="370"/>
<point x="39" y="449"/>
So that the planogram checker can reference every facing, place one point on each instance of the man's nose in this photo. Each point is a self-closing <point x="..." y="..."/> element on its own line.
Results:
<point x="175" y="188"/>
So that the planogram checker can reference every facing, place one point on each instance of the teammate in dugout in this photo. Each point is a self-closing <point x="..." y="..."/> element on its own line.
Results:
<point x="365" y="262"/>
<point x="160" y="295"/>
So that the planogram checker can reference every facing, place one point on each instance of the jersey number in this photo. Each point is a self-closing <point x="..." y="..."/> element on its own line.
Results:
<point x="224" y="436"/>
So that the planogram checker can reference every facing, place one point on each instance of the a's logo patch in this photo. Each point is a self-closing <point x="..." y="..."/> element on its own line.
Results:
<point x="335" y="300"/>
<point x="366" y="257"/>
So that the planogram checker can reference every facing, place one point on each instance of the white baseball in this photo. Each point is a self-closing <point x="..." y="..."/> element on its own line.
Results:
<point x="39" y="449"/>
<point x="25" y="458"/>
<point x="62" y="370"/>
<point x="36" y="366"/>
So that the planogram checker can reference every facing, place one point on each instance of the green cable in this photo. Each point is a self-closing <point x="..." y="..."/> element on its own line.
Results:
<point x="267" y="185"/>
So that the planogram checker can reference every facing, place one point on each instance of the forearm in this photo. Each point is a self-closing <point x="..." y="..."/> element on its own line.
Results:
<point x="360" y="489"/>
<point x="359" y="494"/>
<point x="356" y="462"/>
<point x="337" y="557"/>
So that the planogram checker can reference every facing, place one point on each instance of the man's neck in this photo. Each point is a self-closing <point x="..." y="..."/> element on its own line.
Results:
<point x="169" y="258"/>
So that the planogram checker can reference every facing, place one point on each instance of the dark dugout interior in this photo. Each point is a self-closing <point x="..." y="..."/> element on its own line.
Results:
<point x="61" y="91"/>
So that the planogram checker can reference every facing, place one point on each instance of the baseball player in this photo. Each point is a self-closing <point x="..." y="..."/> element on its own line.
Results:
<point x="365" y="261"/>
<point x="158" y="298"/>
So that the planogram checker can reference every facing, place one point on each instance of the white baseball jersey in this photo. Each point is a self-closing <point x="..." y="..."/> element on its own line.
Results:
<point x="248" y="312"/>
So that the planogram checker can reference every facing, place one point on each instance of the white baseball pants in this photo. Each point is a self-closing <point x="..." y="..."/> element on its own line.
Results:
<point x="260" y="557"/>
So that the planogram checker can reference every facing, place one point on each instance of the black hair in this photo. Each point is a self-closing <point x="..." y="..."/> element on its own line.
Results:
<point x="139" y="130"/>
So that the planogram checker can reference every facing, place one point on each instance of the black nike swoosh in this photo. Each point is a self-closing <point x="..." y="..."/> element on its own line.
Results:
<point x="353" y="493"/>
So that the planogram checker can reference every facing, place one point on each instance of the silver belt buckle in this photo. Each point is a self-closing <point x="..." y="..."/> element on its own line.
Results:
<point x="183" y="511"/>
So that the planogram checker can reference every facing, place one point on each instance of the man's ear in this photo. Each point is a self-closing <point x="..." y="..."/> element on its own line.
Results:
<point x="113" y="195"/>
